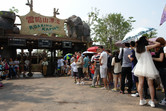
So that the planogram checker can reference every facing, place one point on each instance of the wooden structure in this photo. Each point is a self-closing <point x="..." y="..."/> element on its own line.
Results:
<point x="11" y="40"/>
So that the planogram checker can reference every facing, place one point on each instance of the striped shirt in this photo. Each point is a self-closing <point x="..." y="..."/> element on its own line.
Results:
<point x="96" y="59"/>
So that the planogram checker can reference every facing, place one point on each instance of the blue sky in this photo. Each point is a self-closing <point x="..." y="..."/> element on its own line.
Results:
<point x="147" y="13"/>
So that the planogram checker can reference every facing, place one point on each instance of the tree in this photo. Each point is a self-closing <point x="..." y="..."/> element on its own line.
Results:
<point x="109" y="29"/>
<point x="14" y="10"/>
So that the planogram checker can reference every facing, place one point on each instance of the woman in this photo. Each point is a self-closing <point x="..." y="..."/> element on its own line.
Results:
<point x="160" y="61"/>
<point x="117" y="70"/>
<point x="145" y="68"/>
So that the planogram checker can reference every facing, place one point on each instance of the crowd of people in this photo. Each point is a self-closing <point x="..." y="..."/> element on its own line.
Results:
<point x="140" y="66"/>
<point x="10" y="69"/>
<point x="135" y="68"/>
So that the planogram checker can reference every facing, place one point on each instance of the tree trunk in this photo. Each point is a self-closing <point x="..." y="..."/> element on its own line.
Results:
<point x="110" y="43"/>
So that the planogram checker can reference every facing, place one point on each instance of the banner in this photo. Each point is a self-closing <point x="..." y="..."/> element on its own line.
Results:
<point x="34" y="23"/>
<point x="163" y="18"/>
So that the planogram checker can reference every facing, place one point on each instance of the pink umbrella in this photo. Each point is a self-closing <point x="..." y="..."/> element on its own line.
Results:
<point x="119" y="44"/>
<point x="92" y="49"/>
<point x="153" y="39"/>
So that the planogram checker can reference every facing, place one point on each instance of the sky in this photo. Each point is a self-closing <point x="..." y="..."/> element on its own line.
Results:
<point x="147" y="13"/>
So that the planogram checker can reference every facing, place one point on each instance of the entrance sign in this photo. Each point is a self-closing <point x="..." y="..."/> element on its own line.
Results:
<point x="16" y="42"/>
<point x="44" y="43"/>
<point x="67" y="44"/>
<point x="34" y="23"/>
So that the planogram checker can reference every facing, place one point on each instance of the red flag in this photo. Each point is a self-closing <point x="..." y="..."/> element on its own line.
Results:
<point x="163" y="18"/>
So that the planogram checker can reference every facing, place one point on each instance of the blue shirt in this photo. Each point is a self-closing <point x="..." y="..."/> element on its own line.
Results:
<point x="86" y="62"/>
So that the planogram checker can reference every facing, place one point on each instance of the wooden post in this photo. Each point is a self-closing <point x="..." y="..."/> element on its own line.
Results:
<point x="56" y="12"/>
<point x="31" y="5"/>
<point x="30" y="62"/>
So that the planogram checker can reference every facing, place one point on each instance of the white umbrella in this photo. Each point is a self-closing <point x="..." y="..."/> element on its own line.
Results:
<point x="88" y="52"/>
<point x="135" y="34"/>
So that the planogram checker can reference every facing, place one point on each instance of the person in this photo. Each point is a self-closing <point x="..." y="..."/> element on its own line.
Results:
<point x="103" y="66"/>
<point x="145" y="68"/>
<point x="126" y="68"/>
<point x="62" y="66"/>
<point x="160" y="61"/>
<point x="95" y="59"/>
<point x="59" y="65"/>
<point x="80" y="66"/>
<point x="71" y="61"/>
<point x="6" y="68"/>
<point x="11" y="68"/>
<point x="92" y="69"/>
<point x="109" y="68"/>
<point x="17" y="68"/>
<point x="26" y="64"/>
<point x="117" y="69"/>
<point x="45" y="64"/>
<point x="85" y="66"/>
<point x="133" y="59"/>
<point x="75" y="70"/>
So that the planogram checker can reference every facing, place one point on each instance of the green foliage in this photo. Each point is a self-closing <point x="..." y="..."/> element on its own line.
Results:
<point x="152" y="34"/>
<point x="14" y="10"/>
<point x="110" y="28"/>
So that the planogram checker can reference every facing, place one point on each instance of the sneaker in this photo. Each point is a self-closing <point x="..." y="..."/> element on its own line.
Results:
<point x="158" y="89"/>
<point x="100" y="86"/>
<point x="162" y="90"/>
<point x="78" y="83"/>
<point x="142" y="102"/>
<point x="135" y="95"/>
<point x="114" y="90"/>
<point x="121" y="92"/>
<point x="104" y="88"/>
<point x="82" y="83"/>
<point x="163" y="102"/>
<point x="151" y="103"/>
<point x="92" y="86"/>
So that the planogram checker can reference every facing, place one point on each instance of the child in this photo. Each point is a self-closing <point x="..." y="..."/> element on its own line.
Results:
<point x="92" y="69"/>
<point x="75" y="70"/>
<point x="117" y="69"/>
<point x="44" y="64"/>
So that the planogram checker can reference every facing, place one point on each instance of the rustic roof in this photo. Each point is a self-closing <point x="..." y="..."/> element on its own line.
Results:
<point x="36" y="37"/>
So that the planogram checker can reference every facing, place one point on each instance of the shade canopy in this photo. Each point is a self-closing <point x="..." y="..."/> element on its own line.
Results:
<point x="135" y="34"/>
<point x="92" y="49"/>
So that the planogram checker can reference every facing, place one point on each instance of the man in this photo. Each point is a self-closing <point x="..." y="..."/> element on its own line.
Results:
<point x="95" y="59"/>
<point x="79" y="66"/>
<point x="62" y="66"/>
<point x="110" y="68"/>
<point x="103" y="66"/>
<point x="126" y="68"/>
<point x="85" y="66"/>
<point x="133" y="59"/>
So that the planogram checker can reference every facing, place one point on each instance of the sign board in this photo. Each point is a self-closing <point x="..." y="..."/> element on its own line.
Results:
<point x="16" y="42"/>
<point x="44" y="43"/>
<point x="67" y="44"/>
<point x="34" y="23"/>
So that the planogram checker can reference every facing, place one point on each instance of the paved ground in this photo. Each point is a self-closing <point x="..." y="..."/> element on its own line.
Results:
<point x="61" y="94"/>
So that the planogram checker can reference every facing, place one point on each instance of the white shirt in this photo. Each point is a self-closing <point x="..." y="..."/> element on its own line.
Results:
<point x="62" y="62"/>
<point x="117" y="66"/>
<point x="74" y="67"/>
<point x="59" y="62"/>
<point x="104" y="59"/>
<point x="26" y="62"/>
<point x="164" y="49"/>
<point x="16" y="62"/>
<point x="44" y="63"/>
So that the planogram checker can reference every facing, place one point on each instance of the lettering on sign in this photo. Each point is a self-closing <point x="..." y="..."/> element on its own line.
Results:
<point x="34" y="23"/>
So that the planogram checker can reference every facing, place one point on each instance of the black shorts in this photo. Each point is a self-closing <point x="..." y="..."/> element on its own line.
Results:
<point x="80" y="73"/>
<point x="75" y="74"/>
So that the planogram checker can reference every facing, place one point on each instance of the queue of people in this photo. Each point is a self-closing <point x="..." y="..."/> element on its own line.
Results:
<point x="134" y="67"/>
